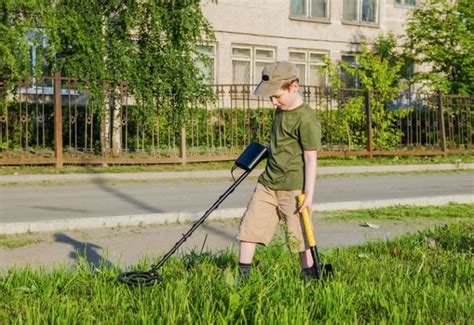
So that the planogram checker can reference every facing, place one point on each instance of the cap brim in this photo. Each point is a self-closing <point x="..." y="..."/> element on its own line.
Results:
<point x="267" y="89"/>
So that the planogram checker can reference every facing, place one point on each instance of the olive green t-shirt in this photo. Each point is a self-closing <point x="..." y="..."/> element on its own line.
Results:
<point x="293" y="132"/>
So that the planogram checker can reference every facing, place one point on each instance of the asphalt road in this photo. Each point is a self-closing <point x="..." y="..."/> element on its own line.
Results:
<point x="99" y="198"/>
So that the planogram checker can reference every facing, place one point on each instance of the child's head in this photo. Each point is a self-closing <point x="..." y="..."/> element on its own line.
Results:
<point x="280" y="83"/>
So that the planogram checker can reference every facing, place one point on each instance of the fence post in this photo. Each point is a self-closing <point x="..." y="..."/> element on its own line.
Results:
<point x="58" y="121"/>
<point x="441" y="124"/>
<point x="368" y="112"/>
<point x="182" y="147"/>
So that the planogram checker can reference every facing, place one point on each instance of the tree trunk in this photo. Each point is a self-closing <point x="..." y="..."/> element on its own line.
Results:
<point x="116" y="111"/>
<point x="105" y="127"/>
<point x="111" y="125"/>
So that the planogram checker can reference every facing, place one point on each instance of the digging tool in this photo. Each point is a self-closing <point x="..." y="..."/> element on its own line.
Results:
<point x="321" y="270"/>
<point x="252" y="155"/>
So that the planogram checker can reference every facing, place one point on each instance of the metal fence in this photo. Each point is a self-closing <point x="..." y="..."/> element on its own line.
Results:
<point x="57" y="120"/>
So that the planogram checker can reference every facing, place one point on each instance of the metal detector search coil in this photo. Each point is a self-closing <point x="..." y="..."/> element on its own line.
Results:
<point x="252" y="155"/>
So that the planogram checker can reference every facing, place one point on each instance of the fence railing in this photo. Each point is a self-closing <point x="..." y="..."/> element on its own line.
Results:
<point x="57" y="120"/>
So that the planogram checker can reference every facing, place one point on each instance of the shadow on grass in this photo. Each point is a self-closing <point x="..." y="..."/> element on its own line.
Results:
<point x="86" y="250"/>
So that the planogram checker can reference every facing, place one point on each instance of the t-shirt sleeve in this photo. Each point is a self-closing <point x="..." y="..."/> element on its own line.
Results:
<point x="310" y="132"/>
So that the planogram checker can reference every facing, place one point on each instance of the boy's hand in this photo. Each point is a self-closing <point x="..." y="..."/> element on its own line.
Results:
<point x="307" y="204"/>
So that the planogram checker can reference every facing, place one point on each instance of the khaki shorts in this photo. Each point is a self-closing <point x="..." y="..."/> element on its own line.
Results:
<point x="265" y="209"/>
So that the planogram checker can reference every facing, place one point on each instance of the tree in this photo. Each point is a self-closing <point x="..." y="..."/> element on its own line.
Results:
<point x="378" y="72"/>
<point x="439" y="35"/>
<point x="149" y="45"/>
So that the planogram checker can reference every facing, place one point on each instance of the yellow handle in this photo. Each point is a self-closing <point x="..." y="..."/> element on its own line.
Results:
<point x="307" y="223"/>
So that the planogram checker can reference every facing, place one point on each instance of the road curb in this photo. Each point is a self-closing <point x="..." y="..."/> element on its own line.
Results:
<point x="18" y="179"/>
<point x="220" y="214"/>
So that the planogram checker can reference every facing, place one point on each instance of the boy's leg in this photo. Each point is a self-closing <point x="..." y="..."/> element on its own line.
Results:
<point x="306" y="259"/>
<point x="288" y="210"/>
<point x="257" y="225"/>
<point x="247" y="250"/>
<point x="308" y="272"/>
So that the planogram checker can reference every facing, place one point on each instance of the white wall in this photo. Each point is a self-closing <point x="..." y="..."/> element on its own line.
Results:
<point x="268" y="23"/>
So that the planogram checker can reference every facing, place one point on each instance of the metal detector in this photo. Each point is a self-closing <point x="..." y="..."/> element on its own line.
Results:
<point x="247" y="161"/>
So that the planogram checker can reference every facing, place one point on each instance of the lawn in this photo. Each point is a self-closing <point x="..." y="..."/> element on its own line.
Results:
<point x="419" y="278"/>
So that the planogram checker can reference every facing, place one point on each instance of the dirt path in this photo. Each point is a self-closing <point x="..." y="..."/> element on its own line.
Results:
<point x="127" y="246"/>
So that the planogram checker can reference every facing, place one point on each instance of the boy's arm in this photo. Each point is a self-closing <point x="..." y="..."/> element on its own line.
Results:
<point x="310" y="158"/>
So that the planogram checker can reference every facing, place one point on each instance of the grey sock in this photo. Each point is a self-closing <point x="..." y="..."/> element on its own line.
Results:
<point x="245" y="269"/>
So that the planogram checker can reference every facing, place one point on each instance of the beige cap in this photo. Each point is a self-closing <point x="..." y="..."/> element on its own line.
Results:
<point x="273" y="77"/>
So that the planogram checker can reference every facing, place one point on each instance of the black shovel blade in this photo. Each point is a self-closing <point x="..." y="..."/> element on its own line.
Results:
<point x="321" y="270"/>
<point x="324" y="271"/>
<point x="327" y="271"/>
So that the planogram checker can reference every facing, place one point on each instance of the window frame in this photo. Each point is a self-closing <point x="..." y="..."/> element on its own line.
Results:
<point x="308" y="64"/>
<point x="253" y="60"/>
<point x="213" y="57"/>
<point x="402" y="4"/>
<point x="356" y="65"/>
<point x="308" y="17"/>
<point x="359" y="21"/>
<point x="34" y="47"/>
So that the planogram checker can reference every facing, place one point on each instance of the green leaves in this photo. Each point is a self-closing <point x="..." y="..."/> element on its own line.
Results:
<point x="166" y="77"/>
<point x="439" y="35"/>
<point x="149" y="45"/>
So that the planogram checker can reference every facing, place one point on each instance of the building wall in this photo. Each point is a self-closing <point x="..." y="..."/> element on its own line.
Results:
<point x="267" y="24"/>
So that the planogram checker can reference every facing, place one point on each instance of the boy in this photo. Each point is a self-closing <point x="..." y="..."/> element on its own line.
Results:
<point x="290" y="170"/>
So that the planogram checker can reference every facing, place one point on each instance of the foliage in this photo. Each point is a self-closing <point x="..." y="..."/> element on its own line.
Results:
<point x="17" y="33"/>
<point x="387" y="48"/>
<point x="420" y="278"/>
<point x="164" y="69"/>
<point x="351" y="117"/>
<point x="151" y="46"/>
<point x="378" y="73"/>
<point x="345" y="125"/>
<point x="17" y="18"/>
<point x="439" y="35"/>
<point x="378" y="77"/>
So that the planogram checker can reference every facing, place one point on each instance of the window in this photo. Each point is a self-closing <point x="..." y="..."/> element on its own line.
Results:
<point x="263" y="58"/>
<point x="347" y="79"/>
<point x="248" y="63"/>
<point x="309" y="8"/>
<point x="360" y="10"/>
<point x="406" y="2"/>
<point x="207" y="68"/>
<point x="38" y="52"/>
<point x="309" y="65"/>
<point x="408" y="69"/>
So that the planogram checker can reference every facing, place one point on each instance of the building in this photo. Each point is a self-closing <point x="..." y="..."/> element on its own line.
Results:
<point x="252" y="33"/>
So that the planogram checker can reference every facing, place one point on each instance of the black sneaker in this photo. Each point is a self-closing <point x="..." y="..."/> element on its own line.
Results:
<point x="308" y="274"/>
<point x="242" y="279"/>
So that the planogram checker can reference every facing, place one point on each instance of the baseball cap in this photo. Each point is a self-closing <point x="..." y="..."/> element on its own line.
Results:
<point x="273" y="77"/>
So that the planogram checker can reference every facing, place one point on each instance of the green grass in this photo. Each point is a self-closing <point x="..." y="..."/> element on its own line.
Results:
<point x="226" y="165"/>
<point x="17" y="241"/>
<point x="394" y="160"/>
<point x="403" y="281"/>
<point x="398" y="212"/>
